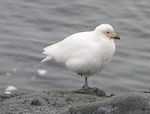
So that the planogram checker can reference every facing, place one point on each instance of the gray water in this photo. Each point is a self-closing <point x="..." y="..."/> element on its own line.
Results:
<point x="27" y="26"/>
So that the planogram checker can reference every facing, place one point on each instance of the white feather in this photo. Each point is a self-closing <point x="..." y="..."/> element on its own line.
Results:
<point x="84" y="52"/>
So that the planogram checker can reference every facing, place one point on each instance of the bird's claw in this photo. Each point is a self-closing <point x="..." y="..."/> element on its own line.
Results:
<point x="85" y="87"/>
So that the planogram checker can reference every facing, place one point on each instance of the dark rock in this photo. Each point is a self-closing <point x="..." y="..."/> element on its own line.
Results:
<point x="131" y="103"/>
<point x="35" y="102"/>
<point x="92" y="91"/>
<point x="60" y="102"/>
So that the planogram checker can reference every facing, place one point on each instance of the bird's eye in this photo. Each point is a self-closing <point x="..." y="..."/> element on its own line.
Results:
<point x="107" y="32"/>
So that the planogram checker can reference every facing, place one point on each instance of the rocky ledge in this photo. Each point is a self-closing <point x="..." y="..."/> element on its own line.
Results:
<point x="62" y="102"/>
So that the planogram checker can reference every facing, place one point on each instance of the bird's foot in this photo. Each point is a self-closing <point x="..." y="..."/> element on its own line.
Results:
<point x="85" y="87"/>
<point x="91" y="91"/>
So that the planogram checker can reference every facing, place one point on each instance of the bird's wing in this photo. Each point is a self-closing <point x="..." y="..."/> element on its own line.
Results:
<point x="72" y="46"/>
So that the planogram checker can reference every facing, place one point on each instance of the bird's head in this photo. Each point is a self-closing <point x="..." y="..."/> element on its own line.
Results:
<point x="107" y="30"/>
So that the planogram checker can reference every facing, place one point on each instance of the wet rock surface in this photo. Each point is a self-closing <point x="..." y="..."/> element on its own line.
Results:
<point x="62" y="102"/>
<point x="131" y="103"/>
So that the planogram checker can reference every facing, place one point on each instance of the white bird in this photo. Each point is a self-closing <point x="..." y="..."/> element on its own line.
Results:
<point x="85" y="53"/>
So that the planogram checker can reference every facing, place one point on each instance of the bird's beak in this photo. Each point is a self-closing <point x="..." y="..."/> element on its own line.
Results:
<point x="115" y="36"/>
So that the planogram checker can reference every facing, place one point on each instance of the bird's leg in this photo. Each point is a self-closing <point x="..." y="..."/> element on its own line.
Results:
<point x="88" y="90"/>
<point x="85" y="86"/>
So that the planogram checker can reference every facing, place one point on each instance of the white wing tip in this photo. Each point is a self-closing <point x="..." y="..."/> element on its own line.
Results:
<point x="46" y="59"/>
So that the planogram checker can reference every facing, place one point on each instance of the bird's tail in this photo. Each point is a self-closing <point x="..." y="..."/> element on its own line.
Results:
<point x="48" y="57"/>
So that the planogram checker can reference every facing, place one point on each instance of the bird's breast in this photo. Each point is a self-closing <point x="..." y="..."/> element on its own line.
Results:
<point x="92" y="60"/>
<point x="108" y="51"/>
